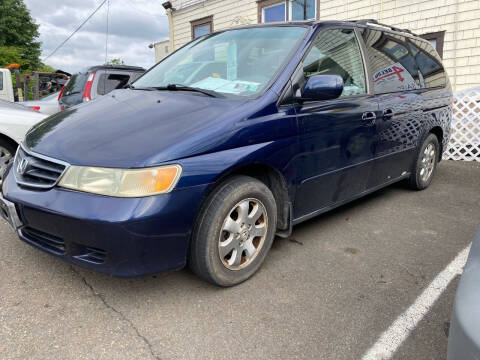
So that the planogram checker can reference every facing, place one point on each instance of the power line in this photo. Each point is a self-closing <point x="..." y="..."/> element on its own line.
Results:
<point x="106" y="35"/>
<point x="75" y="31"/>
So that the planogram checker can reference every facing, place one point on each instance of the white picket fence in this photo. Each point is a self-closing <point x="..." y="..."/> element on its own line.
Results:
<point x="465" y="133"/>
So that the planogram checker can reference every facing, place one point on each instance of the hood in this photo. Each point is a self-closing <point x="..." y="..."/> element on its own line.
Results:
<point x="134" y="128"/>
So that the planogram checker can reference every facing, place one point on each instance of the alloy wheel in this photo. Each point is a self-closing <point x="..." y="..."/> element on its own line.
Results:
<point x="243" y="234"/>
<point x="5" y="159"/>
<point x="428" y="162"/>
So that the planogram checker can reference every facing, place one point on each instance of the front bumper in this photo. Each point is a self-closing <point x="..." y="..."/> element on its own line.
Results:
<point x="464" y="334"/>
<point x="117" y="236"/>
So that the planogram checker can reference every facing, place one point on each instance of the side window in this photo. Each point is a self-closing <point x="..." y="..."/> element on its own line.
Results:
<point x="1" y="81"/>
<point x="392" y="62"/>
<point x="108" y="82"/>
<point x="336" y="52"/>
<point x="429" y="63"/>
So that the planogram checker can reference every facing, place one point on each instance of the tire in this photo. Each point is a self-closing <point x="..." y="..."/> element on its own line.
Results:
<point x="7" y="154"/>
<point x="219" y="228"/>
<point x="425" y="164"/>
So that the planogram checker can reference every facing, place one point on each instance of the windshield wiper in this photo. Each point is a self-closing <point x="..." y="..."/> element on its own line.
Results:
<point x="179" y="87"/>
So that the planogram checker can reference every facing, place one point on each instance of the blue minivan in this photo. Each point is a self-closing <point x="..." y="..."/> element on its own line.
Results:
<point x="234" y="138"/>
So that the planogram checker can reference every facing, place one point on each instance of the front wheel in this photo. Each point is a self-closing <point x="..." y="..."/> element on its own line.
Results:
<point x="7" y="153"/>
<point x="234" y="231"/>
<point x="425" y="163"/>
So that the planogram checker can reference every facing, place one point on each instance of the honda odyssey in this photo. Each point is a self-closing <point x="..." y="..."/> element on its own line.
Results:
<point x="234" y="138"/>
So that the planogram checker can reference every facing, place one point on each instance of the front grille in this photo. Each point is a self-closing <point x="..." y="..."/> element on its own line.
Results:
<point x="48" y="242"/>
<point x="36" y="170"/>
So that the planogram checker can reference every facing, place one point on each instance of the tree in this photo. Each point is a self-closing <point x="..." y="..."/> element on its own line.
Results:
<point x="116" y="61"/>
<point x="18" y="35"/>
<point x="9" y="55"/>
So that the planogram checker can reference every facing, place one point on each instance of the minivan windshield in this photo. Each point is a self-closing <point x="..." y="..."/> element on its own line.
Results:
<point x="238" y="62"/>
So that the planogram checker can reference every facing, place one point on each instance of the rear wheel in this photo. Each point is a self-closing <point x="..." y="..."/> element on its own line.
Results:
<point x="7" y="153"/>
<point x="425" y="164"/>
<point x="234" y="231"/>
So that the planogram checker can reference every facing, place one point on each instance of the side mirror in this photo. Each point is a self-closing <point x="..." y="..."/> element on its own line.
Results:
<point x="322" y="87"/>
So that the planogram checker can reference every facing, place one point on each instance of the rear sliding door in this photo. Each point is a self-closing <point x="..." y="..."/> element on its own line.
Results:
<point x="397" y="85"/>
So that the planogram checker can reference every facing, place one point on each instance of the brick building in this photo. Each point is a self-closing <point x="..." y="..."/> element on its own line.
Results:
<point x="453" y="26"/>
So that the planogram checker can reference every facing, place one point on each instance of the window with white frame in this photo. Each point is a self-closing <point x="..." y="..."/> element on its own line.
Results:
<point x="291" y="10"/>
<point x="302" y="9"/>
<point x="273" y="13"/>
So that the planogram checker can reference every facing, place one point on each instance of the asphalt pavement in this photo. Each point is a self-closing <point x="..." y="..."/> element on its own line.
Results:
<point x="327" y="292"/>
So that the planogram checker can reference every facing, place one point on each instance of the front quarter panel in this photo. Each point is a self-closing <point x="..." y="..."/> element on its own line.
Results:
<point x="213" y="167"/>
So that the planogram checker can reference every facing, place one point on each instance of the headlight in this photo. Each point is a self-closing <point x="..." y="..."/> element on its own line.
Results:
<point x="121" y="182"/>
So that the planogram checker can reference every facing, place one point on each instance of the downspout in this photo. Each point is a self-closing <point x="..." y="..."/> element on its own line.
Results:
<point x="170" y="29"/>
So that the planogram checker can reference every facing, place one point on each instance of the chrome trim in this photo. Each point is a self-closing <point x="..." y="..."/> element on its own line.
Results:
<point x="43" y="157"/>
<point x="12" y="216"/>
<point x="363" y="52"/>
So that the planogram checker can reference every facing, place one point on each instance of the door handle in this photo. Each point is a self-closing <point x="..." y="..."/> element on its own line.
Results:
<point x="368" y="118"/>
<point x="387" y="114"/>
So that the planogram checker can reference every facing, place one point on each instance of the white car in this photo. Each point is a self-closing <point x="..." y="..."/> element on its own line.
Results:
<point x="15" y="121"/>
<point x="46" y="105"/>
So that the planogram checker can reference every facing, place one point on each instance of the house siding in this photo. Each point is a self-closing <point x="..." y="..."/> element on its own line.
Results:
<point x="226" y="14"/>
<point x="460" y="19"/>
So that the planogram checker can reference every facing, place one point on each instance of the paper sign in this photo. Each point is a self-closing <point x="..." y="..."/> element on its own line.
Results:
<point x="393" y="78"/>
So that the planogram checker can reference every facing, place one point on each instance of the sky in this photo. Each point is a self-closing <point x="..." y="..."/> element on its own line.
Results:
<point x="133" y="25"/>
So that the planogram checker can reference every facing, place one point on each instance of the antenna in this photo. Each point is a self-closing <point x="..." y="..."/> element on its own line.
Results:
<point x="106" y="50"/>
<point x="106" y="34"/>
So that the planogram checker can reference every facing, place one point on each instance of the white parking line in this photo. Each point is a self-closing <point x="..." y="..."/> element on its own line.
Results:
<point x="396" y="334"/>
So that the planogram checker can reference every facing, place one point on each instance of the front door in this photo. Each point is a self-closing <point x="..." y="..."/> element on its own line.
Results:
<point x="337" y="137"/>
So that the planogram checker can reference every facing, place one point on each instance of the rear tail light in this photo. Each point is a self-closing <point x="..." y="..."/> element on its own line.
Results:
<point x="88" y="88"/>
<point x="37" y="108"/>
<point x="61" y="92"/>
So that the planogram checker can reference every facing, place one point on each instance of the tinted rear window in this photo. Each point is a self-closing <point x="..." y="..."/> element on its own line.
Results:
<point x="108" y="82"/>
<point x="401" y="63"/>
<point x="429" y="63"/>
<point x="391" y="61"/>
<point x="74" y="90"/>
<point x="75" y="84"/>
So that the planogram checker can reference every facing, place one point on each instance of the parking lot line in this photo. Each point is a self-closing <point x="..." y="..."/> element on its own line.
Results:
<point x="401" y="328"/>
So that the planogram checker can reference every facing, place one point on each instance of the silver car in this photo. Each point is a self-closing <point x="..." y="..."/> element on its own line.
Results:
<point x="15" y="121"/>
<point x="464" y="334"/>
<point x="46" y="105"/>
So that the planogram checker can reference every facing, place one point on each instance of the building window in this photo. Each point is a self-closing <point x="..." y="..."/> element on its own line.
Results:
<point x="291" y="10"/>
<point x="273" y="13"/>
<point x="302" y="9"/>
<point x="202" y="26"/>
<point x="436" y="39"/>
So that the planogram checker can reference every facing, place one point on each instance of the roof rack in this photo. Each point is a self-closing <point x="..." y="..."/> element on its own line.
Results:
<point x="373" y="21"/>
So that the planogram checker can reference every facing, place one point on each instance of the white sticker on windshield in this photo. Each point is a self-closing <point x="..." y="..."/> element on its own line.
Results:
<point x="211" y="83"/>
<point x="226" y="86"/>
